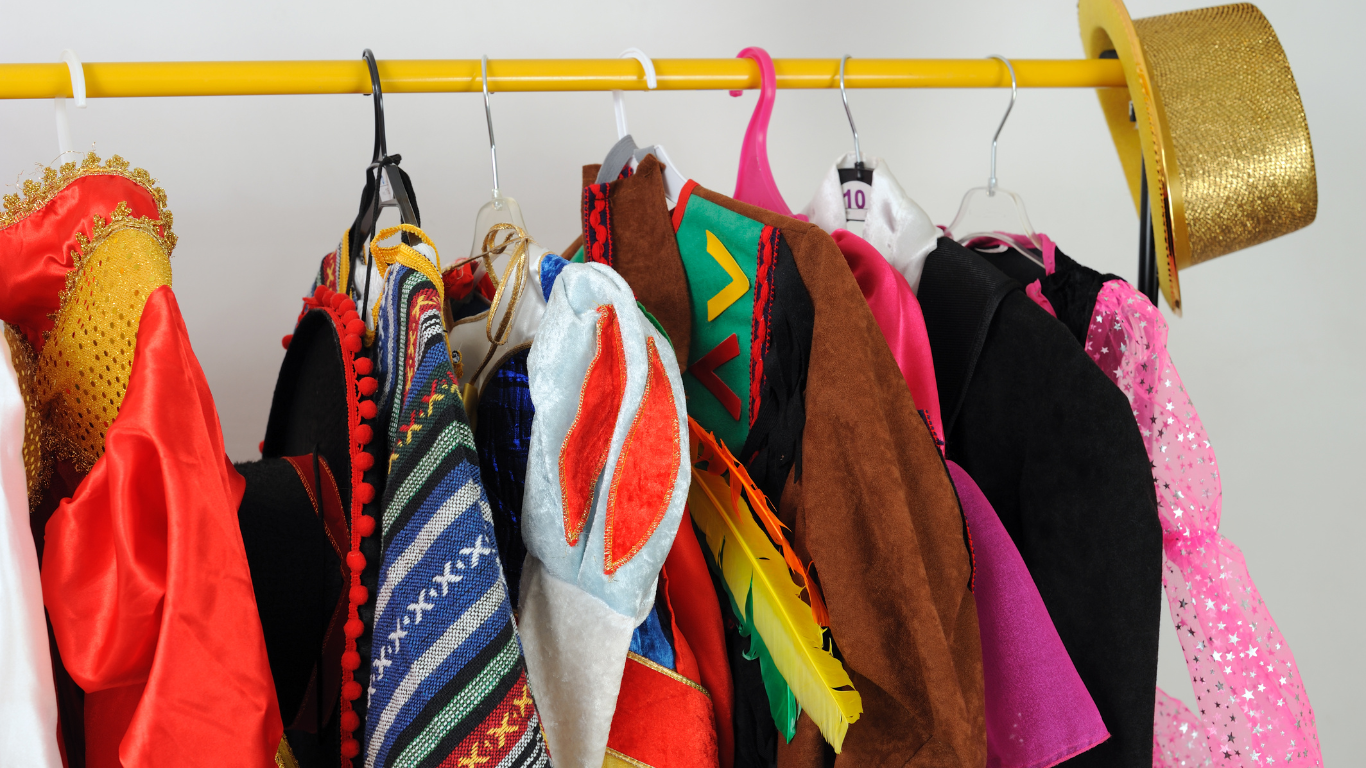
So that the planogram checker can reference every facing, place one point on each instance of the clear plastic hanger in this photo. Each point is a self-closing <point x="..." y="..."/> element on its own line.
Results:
<point x="673" y="178"/>
<point x="64" y="145"/>
<point x="993" y="212"/>
<point x="500" y="209"/>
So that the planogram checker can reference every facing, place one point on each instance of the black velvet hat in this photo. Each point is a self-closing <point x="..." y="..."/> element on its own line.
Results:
<point x="309" y="528"/>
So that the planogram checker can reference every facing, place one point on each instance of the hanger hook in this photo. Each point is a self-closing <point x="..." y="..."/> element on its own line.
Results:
<point x="991" y="182"/>
<point x="858" y="153"/>
<point x="377" y="92"/>
<point x="488" y="116"/>
<point x="73" y="65"/>
<point x="651" y="82"/>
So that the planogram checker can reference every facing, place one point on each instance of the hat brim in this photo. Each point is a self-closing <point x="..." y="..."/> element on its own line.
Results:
<point x="1145" y="143"/>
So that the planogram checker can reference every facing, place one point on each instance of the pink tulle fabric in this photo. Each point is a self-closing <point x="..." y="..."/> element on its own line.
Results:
<point x="1038" y="711"/>
<point x="1254" y="709"/>
<point x="897" y="313"/>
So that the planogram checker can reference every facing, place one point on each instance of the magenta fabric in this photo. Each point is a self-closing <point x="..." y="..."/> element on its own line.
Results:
<point x="897" y="313"/>
<point x="1254" y="709"/>
<point x="1038" y="711"/>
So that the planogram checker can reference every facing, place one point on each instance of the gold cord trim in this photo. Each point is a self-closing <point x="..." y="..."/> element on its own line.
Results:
<point x="666" y="672"/>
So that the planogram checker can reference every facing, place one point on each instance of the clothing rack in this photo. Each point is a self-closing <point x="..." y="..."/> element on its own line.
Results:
<point x="261" y="78"/>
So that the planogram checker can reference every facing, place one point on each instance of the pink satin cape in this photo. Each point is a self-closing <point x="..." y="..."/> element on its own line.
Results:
<point x="146" y="582"/>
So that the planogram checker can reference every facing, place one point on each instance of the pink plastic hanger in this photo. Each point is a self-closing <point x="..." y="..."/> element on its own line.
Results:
<point x="754" y="183"/>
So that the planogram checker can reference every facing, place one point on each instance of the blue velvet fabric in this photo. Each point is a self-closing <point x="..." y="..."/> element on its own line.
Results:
<point x="551" y="266"/>
<point x="502" y="436"/>
<point x="651" y="642"/>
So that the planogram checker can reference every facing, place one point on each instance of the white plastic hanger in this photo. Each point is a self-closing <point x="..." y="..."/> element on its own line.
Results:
<point x="989" y="211"/>
<point x="64" y="145"/>
<point x="500" y="209"/>
<point x="673" y="179"/>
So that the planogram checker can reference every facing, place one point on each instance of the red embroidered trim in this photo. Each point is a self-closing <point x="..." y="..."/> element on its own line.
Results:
<point x="584" y="451"/>
<point x="683" y="198"/>
<point x="350" y="328"/>
<point x="759" y="339"/>
<point x="643" y="481"/>
<point x="597" y="224"/>
<point x="704" y="370"/>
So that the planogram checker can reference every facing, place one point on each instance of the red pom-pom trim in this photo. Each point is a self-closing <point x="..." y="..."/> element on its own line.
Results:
<point x="366" y="525"/>
<point x="365" y="492"/>
<point x="353" y="628"/>
<point x="355" y="560"/>
<point x="261" y="448"/>
<point x="285" y="341"/>
<point x="359" y="594"/>
<point x="350" y="330"/>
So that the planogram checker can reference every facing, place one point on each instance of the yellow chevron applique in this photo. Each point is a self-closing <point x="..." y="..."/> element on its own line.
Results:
<point x="739" y="284"/>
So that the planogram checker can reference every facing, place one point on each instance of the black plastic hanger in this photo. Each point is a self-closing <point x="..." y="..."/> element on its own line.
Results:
<point x="370" y="204"/>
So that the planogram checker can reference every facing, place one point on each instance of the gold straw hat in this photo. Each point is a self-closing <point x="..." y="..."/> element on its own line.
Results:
<point x="1217" y="123"/>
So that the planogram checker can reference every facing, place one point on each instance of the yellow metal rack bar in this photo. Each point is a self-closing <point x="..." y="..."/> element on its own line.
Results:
<point x="256" y="78"/>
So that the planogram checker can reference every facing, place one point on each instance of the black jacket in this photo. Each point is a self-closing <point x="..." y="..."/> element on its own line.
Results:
<point x="1053" y="445"/>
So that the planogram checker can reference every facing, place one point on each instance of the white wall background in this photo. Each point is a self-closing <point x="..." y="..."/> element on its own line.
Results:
<point x="1271" y="347"/>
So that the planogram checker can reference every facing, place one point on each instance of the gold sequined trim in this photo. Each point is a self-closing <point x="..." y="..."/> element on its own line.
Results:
<point x="284" y="756"/>
<point x="36" y="195"/>
<point x="37" y="471"/>
<point x="666" y="672"/>
<point x="74" y="387"/>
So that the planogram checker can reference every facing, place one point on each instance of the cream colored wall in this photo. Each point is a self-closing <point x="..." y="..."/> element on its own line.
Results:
<point x="1271" y="347"/>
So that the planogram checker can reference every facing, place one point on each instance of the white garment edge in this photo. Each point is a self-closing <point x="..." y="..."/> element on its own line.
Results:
<point x="575" y="647"/>
<point x="469" y="335"/>
<point x="28" y="700"/>
<point x="899" y="229"/>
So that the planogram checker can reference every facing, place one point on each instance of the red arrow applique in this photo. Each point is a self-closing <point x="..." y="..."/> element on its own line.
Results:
<point x="704" y="370"/>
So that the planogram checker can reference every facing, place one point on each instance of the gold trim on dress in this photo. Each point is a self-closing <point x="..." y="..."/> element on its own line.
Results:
<point x="615" y="759"/>
<point x="666" y="672"/>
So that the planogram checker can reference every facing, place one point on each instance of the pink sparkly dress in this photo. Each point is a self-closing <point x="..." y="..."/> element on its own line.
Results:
<point x="1038" y="711"/>
<point x="1254" y="708"/>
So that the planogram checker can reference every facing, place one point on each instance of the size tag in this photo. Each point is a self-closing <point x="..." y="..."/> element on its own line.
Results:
<point x="857" y="195"/>
<point x="386" y="192"/>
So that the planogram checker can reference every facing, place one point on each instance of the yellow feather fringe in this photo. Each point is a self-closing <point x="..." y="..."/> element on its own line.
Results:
<point x="752" y="567"/>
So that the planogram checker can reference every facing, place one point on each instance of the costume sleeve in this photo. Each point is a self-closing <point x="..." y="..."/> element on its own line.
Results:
<point x="146" y="581"/>
<point x="1053" y="446"/>
<point x="28" y="704"/>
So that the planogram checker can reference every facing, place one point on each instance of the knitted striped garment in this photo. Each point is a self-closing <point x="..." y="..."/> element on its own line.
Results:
<point x="448" y="680"/>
